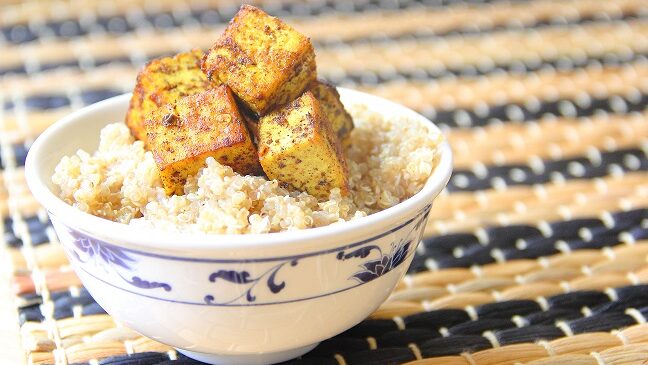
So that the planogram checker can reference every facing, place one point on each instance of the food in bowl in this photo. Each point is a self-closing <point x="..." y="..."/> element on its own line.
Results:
<point x="389" y="160"/>
<point x="245" y="139"/>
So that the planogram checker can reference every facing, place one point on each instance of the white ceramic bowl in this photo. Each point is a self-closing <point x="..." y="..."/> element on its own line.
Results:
<point x="233" y="299"/>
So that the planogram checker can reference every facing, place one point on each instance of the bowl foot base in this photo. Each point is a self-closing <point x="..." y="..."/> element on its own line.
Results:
<point x="248" y="359"/>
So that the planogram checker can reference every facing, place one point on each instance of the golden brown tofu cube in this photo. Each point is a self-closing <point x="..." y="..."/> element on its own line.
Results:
<point x="266" y="62"/>
<point x="298" y="147"/>
<point x="202" y="125"/>
<point x="329" y="99"/>
<point x="163" y="81"/>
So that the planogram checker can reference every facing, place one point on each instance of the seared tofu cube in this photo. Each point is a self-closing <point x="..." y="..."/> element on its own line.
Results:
<point x="298" y="147"/>
<point x="329" y="99"/>
<point x="163" y="81"/>
<point x="266" y="62"/>
<point x="202" y="125"/>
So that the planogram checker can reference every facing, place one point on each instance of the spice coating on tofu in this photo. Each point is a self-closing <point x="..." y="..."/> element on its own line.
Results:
<point x="329" y="98"/>
<point x="163" y="81"/>
<point x="207" y="124"/>
<point x="298" y="147"/>
<point x="266" y="62"/>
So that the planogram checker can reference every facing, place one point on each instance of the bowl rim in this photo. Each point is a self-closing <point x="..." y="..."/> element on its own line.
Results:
<point x="138" y="237"/>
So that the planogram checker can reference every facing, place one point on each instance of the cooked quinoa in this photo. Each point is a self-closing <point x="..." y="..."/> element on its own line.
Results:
<point x="389" y="159"/>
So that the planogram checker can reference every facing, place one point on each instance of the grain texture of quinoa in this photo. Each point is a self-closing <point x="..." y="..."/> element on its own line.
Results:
<point x="389" y="159"/>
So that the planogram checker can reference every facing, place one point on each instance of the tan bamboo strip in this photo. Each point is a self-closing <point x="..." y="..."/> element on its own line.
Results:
<point x="541" y="284"/>
<point x="601" y="282"/>
<point x="566" y="359"/>
<point x="21" y="199"/>
<point x="144" y="344"/>
<point x="509" y="88"/>
<point x="584" y="343"/>
<point x="86" y="325"/>
<point x="16" y="262"/>
<point x="563" y="138"/>
<point x="510" y="354"/>
<point x="590" y="205"/>
<point x="525" y="46"/>
<point x="35" y="337"/>
<point x="636" y="334"/>
<point x="120" y="77"/>
<point x="36" y="123"/>
<point x="577" y="349"/>
<point x="50" y="256"/>
<point x="442" y="277"/>
<point x="41" y="358"/>
<point x="528" y="279"/>
<point x="393" y="23"/>
<point x="393" y="309"/>
<point x="120" y="334"/>
<point x="626" y="354"/>
<point x="627" y="358"/>
<point x="464" y="204"/>
<point x="85" y="352"/>
<point x="24" y="12"/>
<point x="531" y="291"/>
<point x="441" y="360"/>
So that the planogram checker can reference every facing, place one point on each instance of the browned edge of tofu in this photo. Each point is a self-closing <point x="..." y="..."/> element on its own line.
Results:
<point x="207" y="124"/>
<point x="298" y="147"/>
<point x="329" y="98"/>
<point x="162" y="81"/>
<point x="262" y="74"/>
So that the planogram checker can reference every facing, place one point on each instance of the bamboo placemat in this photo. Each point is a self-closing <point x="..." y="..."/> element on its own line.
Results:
<point x="537" y="251"/>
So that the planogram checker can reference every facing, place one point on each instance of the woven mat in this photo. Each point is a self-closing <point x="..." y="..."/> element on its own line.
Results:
<point x="534" y="254"/>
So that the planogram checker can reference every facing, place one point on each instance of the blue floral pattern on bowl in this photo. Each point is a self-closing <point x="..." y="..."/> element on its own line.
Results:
<point x="111" y="256"/>
<point x="246" y="282"/>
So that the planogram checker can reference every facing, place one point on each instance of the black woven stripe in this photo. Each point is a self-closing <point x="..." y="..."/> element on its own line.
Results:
<point x="467" y="118"/>
<point x="35" y="227"/>
<point x="469" y="29"/>
<point x="141" y="358"/>
<point x="119" y="24"/>
<point x="627" y="160"/>
<point x="516" y="67"/>
<point x="564" y="63"/>
<point x="526" y="241"/>
<point x="29" y="308"/>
